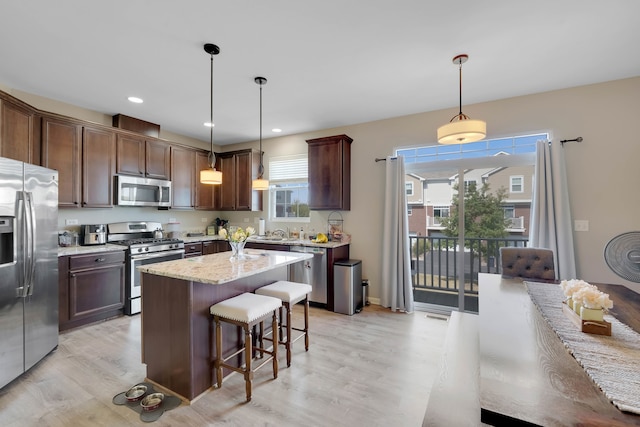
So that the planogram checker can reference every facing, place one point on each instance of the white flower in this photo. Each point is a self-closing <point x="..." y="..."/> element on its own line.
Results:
<point x="586" y="294"/>
<point x="238" y="235"/>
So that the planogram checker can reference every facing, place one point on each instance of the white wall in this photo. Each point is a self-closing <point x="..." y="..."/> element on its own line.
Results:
<point x="603" y="172"/>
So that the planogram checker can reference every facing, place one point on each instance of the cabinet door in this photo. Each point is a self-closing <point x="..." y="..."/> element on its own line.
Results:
<point x="96" y="291"/>
<point x="62" y="151"/>
<point x="98" y="167"/>
<point x="192" y="249"/>
<point x="17" y="132"/>
<point x="130" y="155"/>
<point x="183" y="163"/>
<point x="330" y="173"/>
<point x="243" y="178"/>
<point x="158" y="163"/>
<point x="204" y="192"/>
<point x="227" y="188"/>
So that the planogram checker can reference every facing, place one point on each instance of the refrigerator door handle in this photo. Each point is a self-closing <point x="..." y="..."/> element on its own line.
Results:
<point x="31" y="242"/>
<point x="21" y="226"/>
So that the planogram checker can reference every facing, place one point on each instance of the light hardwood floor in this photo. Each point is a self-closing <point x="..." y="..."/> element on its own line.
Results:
<point x="375" y="368"/>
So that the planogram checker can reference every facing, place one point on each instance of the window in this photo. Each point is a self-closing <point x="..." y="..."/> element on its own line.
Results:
<point x="468" y="184"/>
<point x="288" y="189"/>
<point x="509" y="211"/>
<point x="409" y="188"/>
<point x="409" y="211"/>
<point x="516" y="184"/>
<point x="441" y="211"/>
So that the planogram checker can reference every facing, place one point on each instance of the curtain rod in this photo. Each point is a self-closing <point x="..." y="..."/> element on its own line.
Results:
<point x="578" y="139"/>
<point x="384" y="159"/>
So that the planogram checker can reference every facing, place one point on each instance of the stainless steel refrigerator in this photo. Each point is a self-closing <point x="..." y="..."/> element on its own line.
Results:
<point x="28" y="266"/>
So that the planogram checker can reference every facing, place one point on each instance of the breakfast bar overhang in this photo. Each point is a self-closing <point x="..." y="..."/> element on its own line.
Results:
<point x="178" y="342"/>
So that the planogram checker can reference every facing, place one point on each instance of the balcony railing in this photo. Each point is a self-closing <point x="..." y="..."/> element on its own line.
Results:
<point x="435" y="266"/>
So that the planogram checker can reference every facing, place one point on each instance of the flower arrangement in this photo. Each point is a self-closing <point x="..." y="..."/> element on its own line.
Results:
<point x="237" y="235"/>
<point x="586" y="294"/>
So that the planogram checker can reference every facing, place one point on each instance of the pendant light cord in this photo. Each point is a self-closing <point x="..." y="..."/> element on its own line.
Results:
<point x="460" y="77"/>
<point x="261" y="167"/>
<point x="211" y="155"/>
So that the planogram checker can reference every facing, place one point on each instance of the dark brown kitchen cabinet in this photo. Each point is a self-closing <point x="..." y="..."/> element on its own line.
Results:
<point x="205" y="193"/>
<point x="215" y="246"/>
<point x="192" y="249"/>
<point x="330" y="173"/>
<point x="62" y="151"/>
<point x="19" y="130"/>
<point x="140" y="156"/>
<point x="98" y="167"/>
<point x="90" y="288"/>
<point x="158" y="159"/>
<point x="183" y="165"/>
<point x="239" y="168"/>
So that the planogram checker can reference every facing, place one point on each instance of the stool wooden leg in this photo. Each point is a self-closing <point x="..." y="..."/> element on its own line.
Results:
<point x="280" y="335"/>
<point x="261" y="340"/>
<point x="218" y="362"/>
<point x="274" y="325"/>
<point x="287" y="343"/>
<point x="306" y="323"/>
<point x="248" y="350"/>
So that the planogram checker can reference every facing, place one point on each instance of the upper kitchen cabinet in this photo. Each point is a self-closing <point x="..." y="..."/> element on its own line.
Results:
<point x="205" y="193"/>
<point x="183" y="165"/>
<point x="62" y="151"/>
<point x="330" y="173"/>
<point x="140" y="156"/>
<point x="239" y="168"/>
<point x="19" y="130"/>
<point x="98" y="167"/>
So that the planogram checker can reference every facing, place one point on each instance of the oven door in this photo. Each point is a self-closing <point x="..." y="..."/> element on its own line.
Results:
<point x="133" y="302"/>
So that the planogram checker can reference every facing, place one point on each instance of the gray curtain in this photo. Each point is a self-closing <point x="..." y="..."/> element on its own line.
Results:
<point x="550" y="211"/>
<point x="397" y="288"/>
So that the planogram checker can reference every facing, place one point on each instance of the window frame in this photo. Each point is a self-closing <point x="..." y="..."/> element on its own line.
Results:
<point x="512" y="178"/>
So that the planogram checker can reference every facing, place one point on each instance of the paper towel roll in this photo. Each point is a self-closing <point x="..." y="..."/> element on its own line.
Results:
<point x="261" y="231"/>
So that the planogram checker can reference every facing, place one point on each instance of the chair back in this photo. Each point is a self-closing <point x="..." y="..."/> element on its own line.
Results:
<point x="527" y="263"/>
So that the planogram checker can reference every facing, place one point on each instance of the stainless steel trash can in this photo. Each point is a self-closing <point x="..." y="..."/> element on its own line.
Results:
<point x="347" y="286"/>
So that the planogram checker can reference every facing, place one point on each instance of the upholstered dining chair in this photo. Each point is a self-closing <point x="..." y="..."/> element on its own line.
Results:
<point x="527" y="263"/>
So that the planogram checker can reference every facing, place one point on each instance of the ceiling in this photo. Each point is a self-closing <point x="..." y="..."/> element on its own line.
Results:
<point x="328" y="63"/>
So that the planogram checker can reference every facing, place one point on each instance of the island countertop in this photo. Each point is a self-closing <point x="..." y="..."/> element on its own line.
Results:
<point x="219" y="268"/>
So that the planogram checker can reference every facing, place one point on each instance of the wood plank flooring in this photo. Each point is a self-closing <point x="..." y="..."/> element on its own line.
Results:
<point x="375" y="368"/>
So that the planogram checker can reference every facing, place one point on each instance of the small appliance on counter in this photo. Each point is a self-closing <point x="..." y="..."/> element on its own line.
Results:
<point x="93" y="234"/>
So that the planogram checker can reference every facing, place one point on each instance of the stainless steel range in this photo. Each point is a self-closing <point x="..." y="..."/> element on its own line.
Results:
<point x="144" y="246"/>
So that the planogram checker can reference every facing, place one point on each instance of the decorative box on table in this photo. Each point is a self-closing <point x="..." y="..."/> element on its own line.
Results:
<point x="589" y="326"/>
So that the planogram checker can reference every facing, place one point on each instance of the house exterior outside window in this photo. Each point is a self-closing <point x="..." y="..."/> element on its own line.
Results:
<point x="289" y="189"/>
<point x="516" y="184"/>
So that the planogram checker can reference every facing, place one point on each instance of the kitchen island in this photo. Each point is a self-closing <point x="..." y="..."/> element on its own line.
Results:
<point x="178" y="340"/>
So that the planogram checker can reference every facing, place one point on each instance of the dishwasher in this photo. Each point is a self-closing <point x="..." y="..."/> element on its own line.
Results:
<point x="311" y="271"/>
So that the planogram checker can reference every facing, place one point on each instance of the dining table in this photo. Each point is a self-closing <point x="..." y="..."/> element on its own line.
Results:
<point x="528" y="376"/>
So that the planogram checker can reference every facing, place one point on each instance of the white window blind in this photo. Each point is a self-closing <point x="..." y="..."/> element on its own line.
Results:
<point x="288" y="168"/>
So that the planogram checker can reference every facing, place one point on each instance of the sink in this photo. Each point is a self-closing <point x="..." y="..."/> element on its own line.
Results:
<point x="270" y="238"/>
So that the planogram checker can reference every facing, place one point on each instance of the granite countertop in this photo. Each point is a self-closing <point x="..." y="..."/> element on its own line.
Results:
<point x="219" y="268"/>
<point x="255" y="239"/>
<point x="82" y="250"/>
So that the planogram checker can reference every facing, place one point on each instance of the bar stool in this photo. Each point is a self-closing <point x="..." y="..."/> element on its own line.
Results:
<point x="245" y="310"/>
<point x="290" y="293"/>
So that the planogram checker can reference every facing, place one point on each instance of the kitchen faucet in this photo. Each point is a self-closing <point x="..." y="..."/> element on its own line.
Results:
<point x="281" y="232"/>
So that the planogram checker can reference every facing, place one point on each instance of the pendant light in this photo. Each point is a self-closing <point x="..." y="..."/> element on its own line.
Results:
<point x="461" y="129"/>
<point x="211" y="175"/>
<point x="260" y="183"/>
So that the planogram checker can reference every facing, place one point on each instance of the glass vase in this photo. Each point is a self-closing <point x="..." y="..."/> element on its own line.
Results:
<point x="237" y="250"/>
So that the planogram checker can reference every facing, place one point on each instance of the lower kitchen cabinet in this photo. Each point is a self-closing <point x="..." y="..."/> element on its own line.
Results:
<point x="90" y="287"/>
<point x="192" y="249"/>
<point x="215" y="246"/>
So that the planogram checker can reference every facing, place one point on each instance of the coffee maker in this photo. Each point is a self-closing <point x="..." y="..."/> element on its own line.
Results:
<point x="93" y="234"/>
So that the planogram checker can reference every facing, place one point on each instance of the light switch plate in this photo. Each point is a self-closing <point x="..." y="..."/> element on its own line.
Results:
<point x="71" y="222"/>
<point x="581" y="225"/>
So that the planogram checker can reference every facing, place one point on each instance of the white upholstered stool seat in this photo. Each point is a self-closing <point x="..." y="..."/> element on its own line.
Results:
<point x="290" y="293"/>
<point x="245" y="310"/>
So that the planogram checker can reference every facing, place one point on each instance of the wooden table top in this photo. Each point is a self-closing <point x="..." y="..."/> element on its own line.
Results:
<point x="527" y="377"/>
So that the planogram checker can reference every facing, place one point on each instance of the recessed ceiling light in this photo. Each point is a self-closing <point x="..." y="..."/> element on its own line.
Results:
<point x="135" y="100"/>
<point x="209" y="124"/>
<point x="276" y="130"/>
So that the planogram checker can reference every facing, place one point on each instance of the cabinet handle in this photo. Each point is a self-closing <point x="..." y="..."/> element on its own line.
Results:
<point x="100" y="259"/>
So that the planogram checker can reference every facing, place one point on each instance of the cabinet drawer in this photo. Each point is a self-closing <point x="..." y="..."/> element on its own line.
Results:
<point x="192" y="248"/>
<point x="94" y="260"/>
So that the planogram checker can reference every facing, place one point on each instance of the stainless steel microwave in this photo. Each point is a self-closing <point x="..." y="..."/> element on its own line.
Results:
<point x="135" y="191"/>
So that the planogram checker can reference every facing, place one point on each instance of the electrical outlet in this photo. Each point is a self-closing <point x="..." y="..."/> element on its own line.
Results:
<point x="71" y="222"/>
<point x="204" y="220"/>
<point x="245" y="219"/>
<point x="581" y="225"/>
